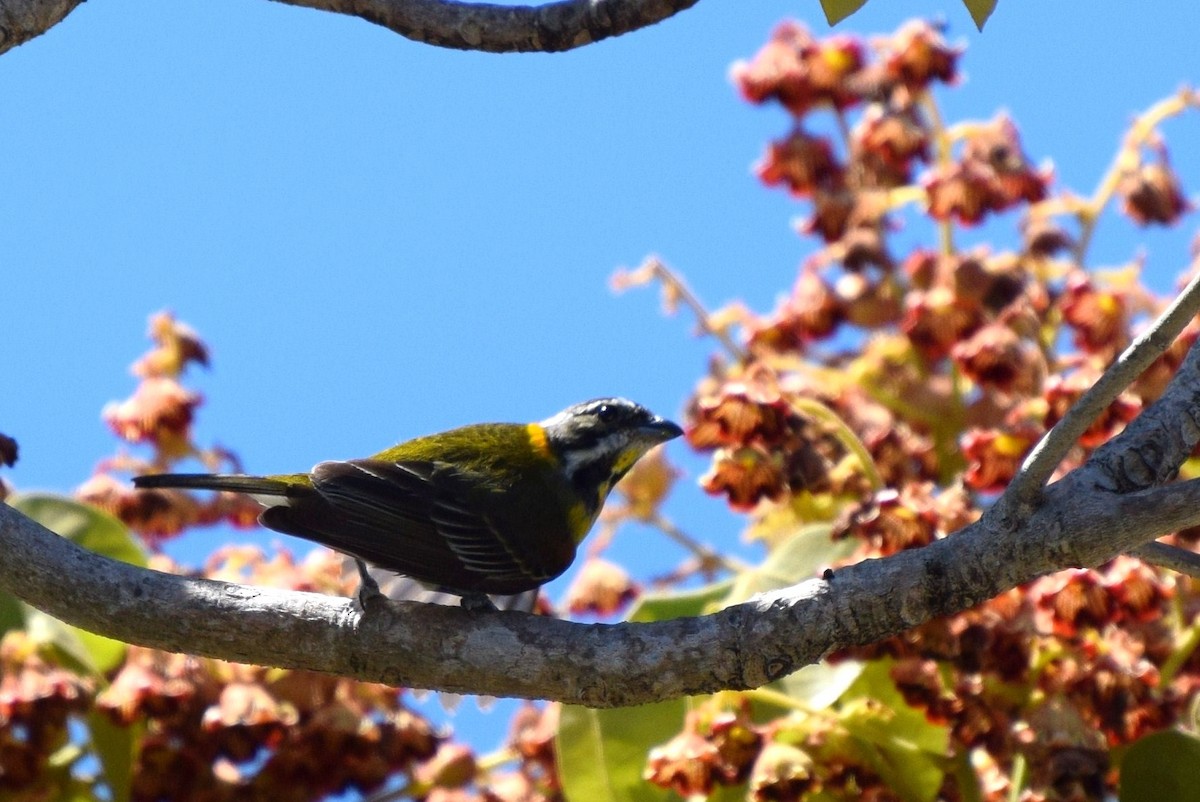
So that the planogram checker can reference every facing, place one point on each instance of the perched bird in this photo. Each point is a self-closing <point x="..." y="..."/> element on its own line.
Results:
<point x="493" y="508"/>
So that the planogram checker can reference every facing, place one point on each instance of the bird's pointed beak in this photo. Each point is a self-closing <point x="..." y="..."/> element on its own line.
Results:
<point x="660" y="430"/>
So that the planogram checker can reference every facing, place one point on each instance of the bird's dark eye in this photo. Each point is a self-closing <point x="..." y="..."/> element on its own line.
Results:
<point x="606" y="413"/>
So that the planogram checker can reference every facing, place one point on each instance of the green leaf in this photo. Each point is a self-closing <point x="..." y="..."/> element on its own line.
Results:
<point x="901" y="745"/>
<point x="665" y="606"/>
<point x="838" y="10"/>
<point x="602" y="753"/>
<point x="106" y="653"/>
<point x="96" y="531"/>
<point x="12" y="613"/>
<point x="83" y="651"/>
<point x="1160" y="767"/>
<point x="820" y="685"/>
<point x="65" y="640"/>
<point x="116" y="749"/>
<point x="980" y="10"/>
<point x="969" y="781"/>
<point x="902" y="719"/>
<point x="800" y="557"/>
<point x="93" y="529"/>
<point x="730" y="793"/>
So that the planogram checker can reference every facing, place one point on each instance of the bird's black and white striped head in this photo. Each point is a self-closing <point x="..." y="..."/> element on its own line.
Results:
<point x="598" y="441"/>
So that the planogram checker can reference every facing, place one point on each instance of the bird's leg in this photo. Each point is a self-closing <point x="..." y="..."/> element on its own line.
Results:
<point x="477" y="602"/>
<point x="368" y="589"/>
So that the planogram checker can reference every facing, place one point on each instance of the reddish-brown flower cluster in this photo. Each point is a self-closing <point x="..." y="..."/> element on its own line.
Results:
<point x="532" y="737"/>
<point x="1063" y="390"/>
<point x="892" y="520"/>
<point x="803" y="163"/>
<point x="8" y="450"/>
<point x="763" y="446"/>
<point x="1098" y="317"/>
<point x="788" y="759"/>
<point x="159" y="414"/>
<point x="801" y="72"/>
<point x="720" y="748"/>
<point x="601" y="588"/>
<point x="455" y="774"/>
<point x="975" y="670"/>
<point x="995" y="454"/>
<point x="37" y="697"/>
<point x="8" y="456"/>
<point x="992" y="175"/>
<point x="915" y="56"/>
<point x="1151" y="194"/>
<point x="1124" y="592"/>
<point x="646" y="485"/>
<point x="952" y="299"/>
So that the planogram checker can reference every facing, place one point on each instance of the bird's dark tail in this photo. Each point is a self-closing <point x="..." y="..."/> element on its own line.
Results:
<point x="251" y="485"/>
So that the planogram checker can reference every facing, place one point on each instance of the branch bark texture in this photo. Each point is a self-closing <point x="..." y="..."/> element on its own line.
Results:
<point x="550" y="28"/>
<point x="22" y="20"/>
<point x="1112" y="504"/>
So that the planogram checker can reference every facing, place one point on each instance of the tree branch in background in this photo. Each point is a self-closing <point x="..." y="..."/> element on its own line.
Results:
<point x="22" y="20"/>
<point x="548" y="28"/>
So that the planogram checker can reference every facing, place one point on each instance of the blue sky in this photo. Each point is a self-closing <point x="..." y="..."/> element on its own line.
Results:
<point x="380" y="239"/>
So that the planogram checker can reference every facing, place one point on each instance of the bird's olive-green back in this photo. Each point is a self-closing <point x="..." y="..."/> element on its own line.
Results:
<point x="516" y="478"/>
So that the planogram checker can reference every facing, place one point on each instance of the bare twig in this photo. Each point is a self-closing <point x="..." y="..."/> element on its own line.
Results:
<point x="1145" y="348"/>
<point x="676" y="290"/>
<point x="706" y="555"/>
<point x="1172" y="557"/>
<point x="1127" y="158"/>
<point x="942" y="141"/>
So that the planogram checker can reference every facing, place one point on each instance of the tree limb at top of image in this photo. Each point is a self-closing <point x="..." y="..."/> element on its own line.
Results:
<point x="1113" y="504"/>
<point x="22" y="20"/>
<point x="548" y="28"/>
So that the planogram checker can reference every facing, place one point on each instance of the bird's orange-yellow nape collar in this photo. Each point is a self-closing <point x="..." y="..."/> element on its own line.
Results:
<point x="579" y="517"/>
<point x="537" y="439"/>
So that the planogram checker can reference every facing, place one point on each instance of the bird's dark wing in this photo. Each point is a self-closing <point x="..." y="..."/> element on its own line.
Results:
<point x="417" y="518"/>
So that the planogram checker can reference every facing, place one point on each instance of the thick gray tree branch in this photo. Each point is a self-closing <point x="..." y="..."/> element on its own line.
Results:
<point x="22" y="20"/>
<point x="1113" y="504"/>
<point x="549" y="28"/>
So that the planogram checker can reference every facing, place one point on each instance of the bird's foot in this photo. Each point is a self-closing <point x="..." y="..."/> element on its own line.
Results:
<point x="477" y="602"/>
<point x="369" y="595"/>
